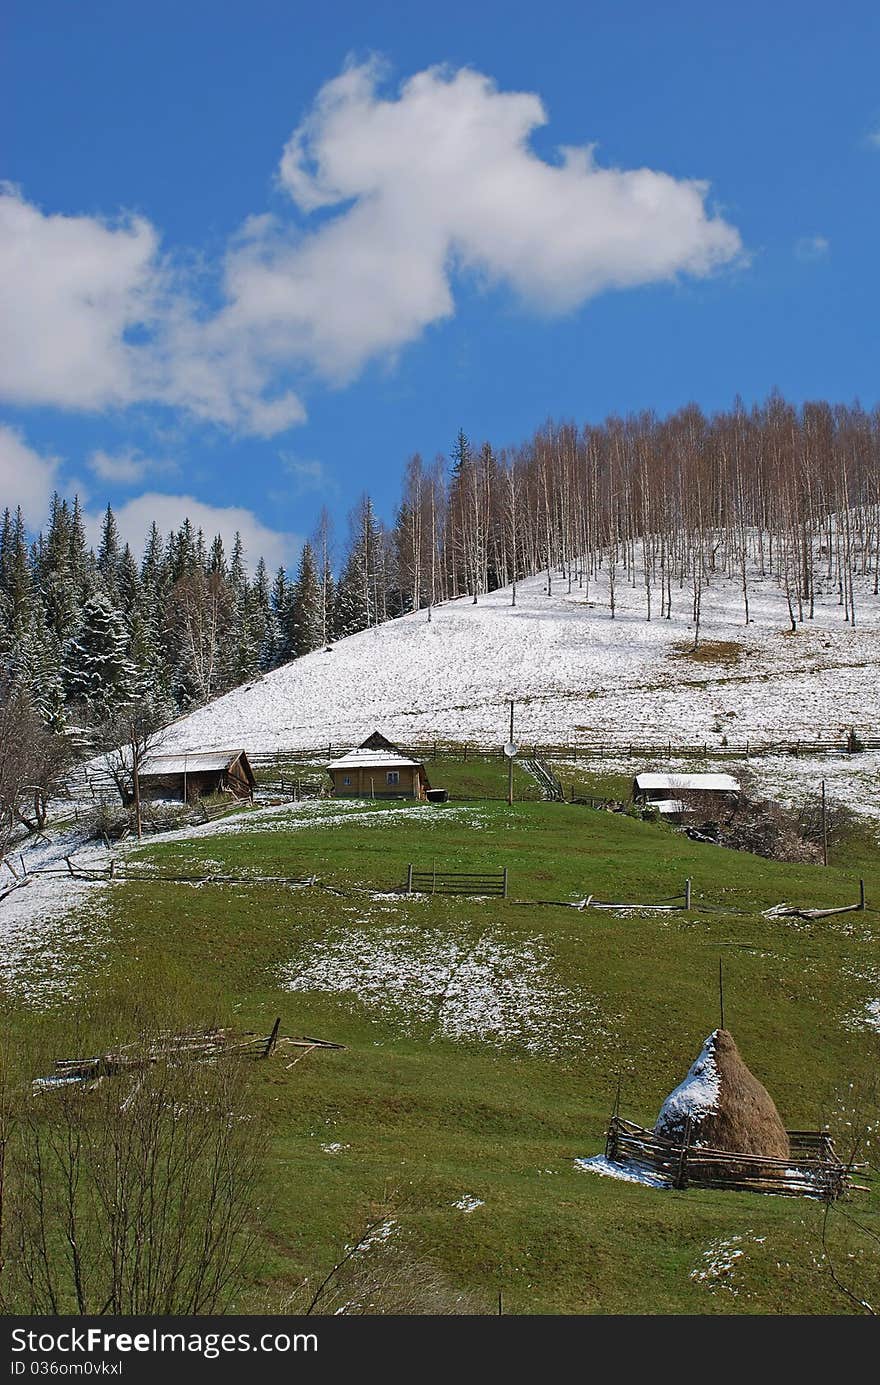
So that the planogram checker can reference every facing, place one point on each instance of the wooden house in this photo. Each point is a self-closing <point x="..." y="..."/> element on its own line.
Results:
<point x="186" y="775"/>
<point x="378" y="769"/>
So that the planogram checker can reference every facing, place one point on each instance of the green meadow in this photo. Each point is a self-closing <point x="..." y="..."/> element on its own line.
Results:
<point x="485" y="1039"/>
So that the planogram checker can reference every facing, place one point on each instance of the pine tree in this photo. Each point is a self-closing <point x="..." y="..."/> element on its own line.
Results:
<point x="15" y="568"/>
<point x="97" y="671"/>
<point x="280" y="650"/>
<point x="108" y="552"/>
<point x="59" y="573"/>
<point x="306" y="606"/>
<point x="34" y="665"/>
<point x="217" y="557"/>
<point x="237" y="575"/>
<point x="128" y="584"/>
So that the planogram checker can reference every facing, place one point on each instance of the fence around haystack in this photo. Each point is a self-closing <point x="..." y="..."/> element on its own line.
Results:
<point x="813" y="1168"/>
<point x="456" y="882"/>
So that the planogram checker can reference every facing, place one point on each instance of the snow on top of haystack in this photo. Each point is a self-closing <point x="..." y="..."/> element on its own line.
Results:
<point x="697" y="1095"/>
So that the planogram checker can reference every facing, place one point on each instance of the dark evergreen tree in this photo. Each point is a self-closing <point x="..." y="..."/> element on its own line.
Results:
<point x="305" y="606"/>
<point x="97" y="670"/>
<point x="108" y="553"/>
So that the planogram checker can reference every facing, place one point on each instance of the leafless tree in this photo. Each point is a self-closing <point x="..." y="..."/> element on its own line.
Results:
<point x="131" y="1198"/>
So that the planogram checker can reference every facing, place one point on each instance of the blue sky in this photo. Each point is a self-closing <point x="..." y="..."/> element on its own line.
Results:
<point x="204" y="311"/>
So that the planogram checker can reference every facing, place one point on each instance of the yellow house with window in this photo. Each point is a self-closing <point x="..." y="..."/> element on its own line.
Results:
<point x="378" y="769"/>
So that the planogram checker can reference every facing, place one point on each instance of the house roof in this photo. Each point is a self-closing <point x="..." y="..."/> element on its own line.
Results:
<point x="678" y="783"/>
<point x="373" y="759"/>
<point x="376" y="741"/>
<point x="189" y="762"/>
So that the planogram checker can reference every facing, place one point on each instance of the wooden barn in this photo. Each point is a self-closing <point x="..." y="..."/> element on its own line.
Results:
<point x="670" y="794"/>
<point x="378" y="769"/>
<point x="186" y="775"/>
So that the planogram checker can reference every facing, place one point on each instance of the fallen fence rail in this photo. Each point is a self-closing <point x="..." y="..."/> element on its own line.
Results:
<point x="198" y="1046"/>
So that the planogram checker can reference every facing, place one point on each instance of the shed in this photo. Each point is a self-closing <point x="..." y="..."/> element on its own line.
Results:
<point x="670" y="794"/>
<point x="186" y="775"/>
<point x="378" y="769"/>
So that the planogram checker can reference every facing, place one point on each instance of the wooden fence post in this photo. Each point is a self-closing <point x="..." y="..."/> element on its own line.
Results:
<point x="409" y="874"/>
<point x="270" y="1042"/>
<point x="505" y="882"/>
<point x="681" y="1175"/>
<point x="861" y="894"/>
<point x="687" y="894"/>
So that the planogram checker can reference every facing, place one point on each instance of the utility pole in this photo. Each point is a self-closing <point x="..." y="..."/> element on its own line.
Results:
<point x="510" y="764"/>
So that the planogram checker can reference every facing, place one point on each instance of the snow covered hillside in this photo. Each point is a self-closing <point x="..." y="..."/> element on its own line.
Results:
<point x="576" y="674"/>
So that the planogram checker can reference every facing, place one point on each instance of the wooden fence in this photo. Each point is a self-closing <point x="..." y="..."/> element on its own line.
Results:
<point x="456" y="882"/>
<point x="813" y="1168"/>
<point x="589" y="749"/>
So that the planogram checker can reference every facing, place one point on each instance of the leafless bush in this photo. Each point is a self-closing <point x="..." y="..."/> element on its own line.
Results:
<point x="385" y="1273"/>
<point x="850" y="1255"/>
<point x="33" y="761"/>
<point x="113" y="822"/>
<point x="761" y="826"/>
<point x="131" y="1198"/>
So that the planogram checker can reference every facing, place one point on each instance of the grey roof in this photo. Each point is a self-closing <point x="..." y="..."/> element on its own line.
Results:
<point x="709" y="783"/>
<point x="189" y="762"/>
<point x="373" y="759"/>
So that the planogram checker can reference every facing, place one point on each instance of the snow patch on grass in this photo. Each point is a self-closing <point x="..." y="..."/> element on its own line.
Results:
<point x="478" y="987"/>
<point x="629" y="1172"/>
<point x="51" y="931"/>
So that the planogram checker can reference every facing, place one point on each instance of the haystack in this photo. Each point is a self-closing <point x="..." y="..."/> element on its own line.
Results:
<point x="728" y="1107"/>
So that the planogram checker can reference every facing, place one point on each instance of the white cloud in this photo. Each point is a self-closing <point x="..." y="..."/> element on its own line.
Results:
<point x="810" y="248"/>
<point x="409" y="191"/>
<point x="71" y="287"/>
<point x="26" y="478"/>
<point x="308" y="474"/>
<point x="135" y="516"/>
<point x="99" y="321"/>
<point x="126" y="468"/>
<point x="873" y="139"/>
<point x="443" y="177"/>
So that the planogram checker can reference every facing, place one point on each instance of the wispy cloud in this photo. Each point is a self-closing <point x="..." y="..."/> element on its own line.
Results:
<point x="308" y="475"/>
<point x="809" y="248"/>
<point x="127" y="468"/>
<point x="415" y="189"/>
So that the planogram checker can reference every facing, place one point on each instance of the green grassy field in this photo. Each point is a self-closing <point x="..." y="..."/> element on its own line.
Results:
<point x="490" y="1086"/>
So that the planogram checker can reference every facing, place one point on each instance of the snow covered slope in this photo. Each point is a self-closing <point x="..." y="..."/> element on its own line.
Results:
<point x="575" y="673"/>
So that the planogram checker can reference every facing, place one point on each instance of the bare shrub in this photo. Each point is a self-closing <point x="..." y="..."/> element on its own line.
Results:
<point x="111" y="822"/>
<point x="385" y="1273"/>
<point x="761" y="826"/>
<point x="33" y="761"/>
<point x="131" y="1198"/>
<point x="850" y="1255"/>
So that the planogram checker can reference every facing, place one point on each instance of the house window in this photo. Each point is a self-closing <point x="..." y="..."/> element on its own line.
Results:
<point x="346" y="781"/>
<point x="393" y="776"/>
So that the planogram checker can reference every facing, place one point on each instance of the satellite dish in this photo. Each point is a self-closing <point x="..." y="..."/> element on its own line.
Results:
<point x="510" y="750"/>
